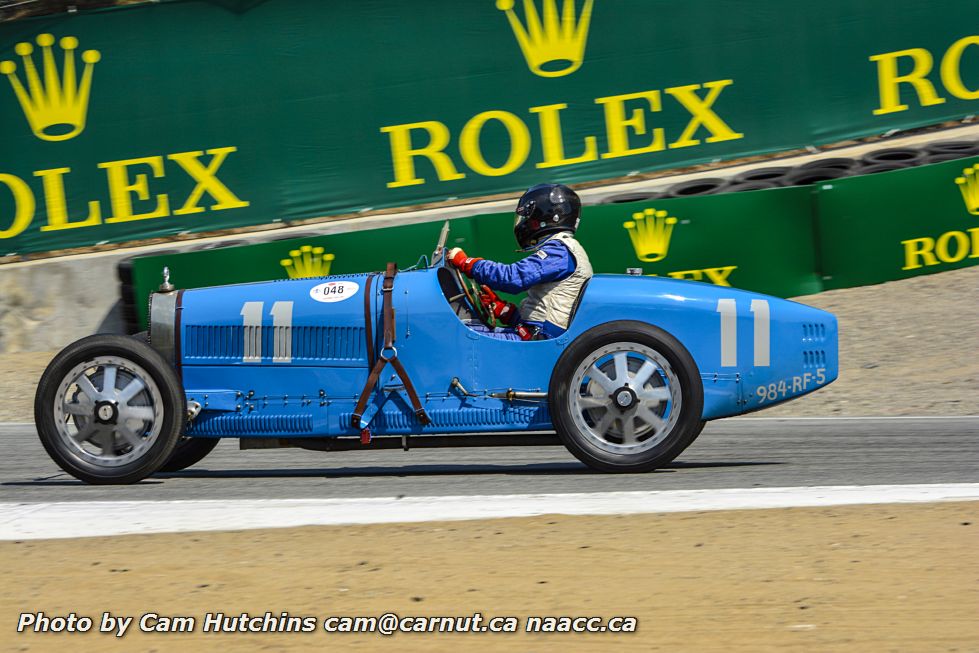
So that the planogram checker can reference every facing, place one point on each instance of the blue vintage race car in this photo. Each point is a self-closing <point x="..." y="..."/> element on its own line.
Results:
<point x="404" y="359"/>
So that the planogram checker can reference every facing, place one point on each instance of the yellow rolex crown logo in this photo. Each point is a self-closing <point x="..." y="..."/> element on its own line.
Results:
<point x="307" y="261"/>
<point x="969" y="185"/>
<point x="554" y="46"/>
<point x="650" y="231"/>
<point x="55" y="104"/>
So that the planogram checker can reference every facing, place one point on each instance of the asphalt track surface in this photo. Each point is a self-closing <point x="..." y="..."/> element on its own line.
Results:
<point x="733" y="453"/>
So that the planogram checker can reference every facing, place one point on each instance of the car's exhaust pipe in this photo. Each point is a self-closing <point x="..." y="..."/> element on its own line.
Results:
<point x="510" y="394"/>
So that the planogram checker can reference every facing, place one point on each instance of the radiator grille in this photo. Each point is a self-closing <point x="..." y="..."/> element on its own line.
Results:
<point x="211" y="342"/>
<point x="309" y="343"/>
<point x="332" y="343"/>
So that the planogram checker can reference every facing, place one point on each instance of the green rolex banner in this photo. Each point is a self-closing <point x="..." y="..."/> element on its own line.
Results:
<point x="172" y="117"/>
<point x="899" y="224"/>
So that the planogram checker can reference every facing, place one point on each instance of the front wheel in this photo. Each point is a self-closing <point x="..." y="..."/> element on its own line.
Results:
<point x="109" y="409"/>
<point x="626" y="397"/>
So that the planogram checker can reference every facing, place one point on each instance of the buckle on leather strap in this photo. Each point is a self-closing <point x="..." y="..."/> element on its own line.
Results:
<point x="383" y="355"/>
<point x="423" y="417"/>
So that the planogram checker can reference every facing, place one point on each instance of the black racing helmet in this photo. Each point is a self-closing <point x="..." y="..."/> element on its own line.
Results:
<point x="543" y="210"/>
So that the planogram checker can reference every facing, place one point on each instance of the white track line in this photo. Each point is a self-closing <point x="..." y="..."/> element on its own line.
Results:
<point x="21" y="521"/>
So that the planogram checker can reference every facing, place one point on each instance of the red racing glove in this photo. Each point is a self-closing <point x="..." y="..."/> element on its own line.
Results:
<point x="505" y="312"/>
<point x="458" y="258"/>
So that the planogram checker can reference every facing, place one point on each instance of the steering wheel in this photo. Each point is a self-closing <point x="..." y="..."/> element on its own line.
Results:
<point x="471" y="291"/>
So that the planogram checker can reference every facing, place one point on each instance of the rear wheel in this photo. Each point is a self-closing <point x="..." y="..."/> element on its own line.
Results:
<point x="109" y="409"/>
<point x="189" y="452"/>
<point x="626" y="397"/>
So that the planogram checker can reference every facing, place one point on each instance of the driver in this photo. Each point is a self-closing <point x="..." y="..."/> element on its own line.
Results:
<point x="553" y="276"/>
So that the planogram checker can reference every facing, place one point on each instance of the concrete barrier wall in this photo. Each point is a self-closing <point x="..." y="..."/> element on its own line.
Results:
<point x="45" y="305"/>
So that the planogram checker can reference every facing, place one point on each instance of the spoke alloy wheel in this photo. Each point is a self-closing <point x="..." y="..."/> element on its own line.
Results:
<point x="625" y="398"/>
<point x="108" y="411"/>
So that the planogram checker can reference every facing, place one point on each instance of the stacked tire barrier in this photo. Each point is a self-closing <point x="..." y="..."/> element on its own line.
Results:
<point x="794" y="231"/>
<point x="813" y="172"/>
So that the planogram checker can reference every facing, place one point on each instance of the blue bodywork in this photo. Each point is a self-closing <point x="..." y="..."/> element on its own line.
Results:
<point x="309" y="357"/>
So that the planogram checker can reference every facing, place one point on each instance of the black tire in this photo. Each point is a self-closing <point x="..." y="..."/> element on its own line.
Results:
<point x="161" y="395"/>
<point x="814" y="176"/>
<point x="124" y="271"/>
<point x="840" y="163"/>
<point x="751" y="185"/>
<point x="961" y="148"/>
<point x="306" y="235"/>
<point x="880" y="167"/>
<point x="127" y="293"/>
<point x="941" y="157"/>
<point x="631" y="197"/>
<point x="905" y="155"/>
<point x="698" y="431"/>
<point x="705" y="186"/>
<point x="775" y="175"/>
<point x="577" y="429"/>
<point x="130" y="320"/>
<point x="131" y="308"/>
<point x="188" y="452"/>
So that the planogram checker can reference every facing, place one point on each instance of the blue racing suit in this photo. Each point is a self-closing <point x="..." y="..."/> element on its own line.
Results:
<point x="556" y="264"/>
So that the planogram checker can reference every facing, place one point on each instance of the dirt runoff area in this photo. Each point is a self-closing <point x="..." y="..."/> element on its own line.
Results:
<point x="906" y="348"/>
<point x="856" y="578"/>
